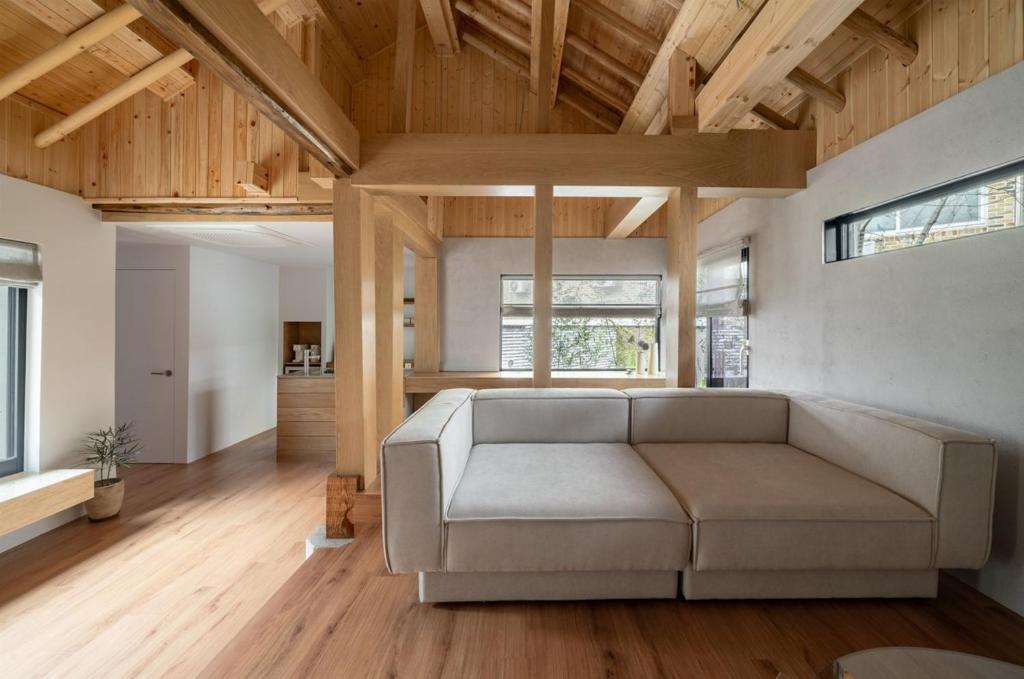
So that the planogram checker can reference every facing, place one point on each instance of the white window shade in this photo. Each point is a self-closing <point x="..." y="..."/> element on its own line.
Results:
<point x="20" y="263"/>
<point x="722" y="281"/>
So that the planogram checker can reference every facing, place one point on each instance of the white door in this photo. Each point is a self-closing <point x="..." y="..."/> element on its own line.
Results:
<point x="144" y="374"/>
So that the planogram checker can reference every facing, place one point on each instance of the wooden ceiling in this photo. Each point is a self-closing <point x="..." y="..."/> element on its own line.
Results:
<point x="613" y="76"/>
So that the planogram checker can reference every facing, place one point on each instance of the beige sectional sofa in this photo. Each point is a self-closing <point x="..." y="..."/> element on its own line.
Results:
<point x="509" y="494"/>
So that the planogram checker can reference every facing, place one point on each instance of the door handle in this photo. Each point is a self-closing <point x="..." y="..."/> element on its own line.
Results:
<point x="165" y="373"/>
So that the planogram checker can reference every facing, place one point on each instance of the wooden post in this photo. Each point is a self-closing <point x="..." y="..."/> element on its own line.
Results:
<point x="681" y="289"/>
<point x="542" y="286"/>
<point x="355" y="389"/>
<point x="389" y="312"/>
<point x="427" y="358"/>
<point x="682" y="92"/>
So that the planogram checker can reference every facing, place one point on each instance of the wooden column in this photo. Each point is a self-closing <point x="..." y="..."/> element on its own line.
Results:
<point x="680" y="301"/>
<point x="428" y="338"/>
<point x="543" y="203"/>
<point x="355" y="383"/>
<point x="389" y="289"/>
<point x="682" y="92"/>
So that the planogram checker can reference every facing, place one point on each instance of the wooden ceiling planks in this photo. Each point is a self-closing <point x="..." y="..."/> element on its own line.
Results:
<point x="127" y="51"/>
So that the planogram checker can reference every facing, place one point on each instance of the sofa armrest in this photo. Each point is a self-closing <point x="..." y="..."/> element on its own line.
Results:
<point x="947" y="472"/>
<point x="421" y="464"/>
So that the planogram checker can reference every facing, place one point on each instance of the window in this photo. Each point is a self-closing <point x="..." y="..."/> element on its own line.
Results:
<point x="991" y="201"/>
<point x="596" y="321"/>
<point x="19" y="270"/>
<point x="723" y="292"/>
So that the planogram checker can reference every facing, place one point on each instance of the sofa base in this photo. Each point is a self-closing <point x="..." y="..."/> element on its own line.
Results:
<point x="808" y="584"/>
<point x="548" y="586"/>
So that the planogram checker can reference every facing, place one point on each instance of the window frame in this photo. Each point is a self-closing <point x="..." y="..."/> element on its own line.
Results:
<point x="17" y="347"/>
<point x="836" y="231"/>
<point x="582" y="310"/>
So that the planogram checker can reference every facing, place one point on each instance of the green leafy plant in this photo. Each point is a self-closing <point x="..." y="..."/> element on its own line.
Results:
<point x="110" y="448"/>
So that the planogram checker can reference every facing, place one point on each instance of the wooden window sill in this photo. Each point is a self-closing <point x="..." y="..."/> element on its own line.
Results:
<point x="27" y="497"/>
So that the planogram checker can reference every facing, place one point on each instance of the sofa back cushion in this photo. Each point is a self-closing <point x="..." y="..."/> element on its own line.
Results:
<point x="550" y="416"/>
<point x="708" y="416"/>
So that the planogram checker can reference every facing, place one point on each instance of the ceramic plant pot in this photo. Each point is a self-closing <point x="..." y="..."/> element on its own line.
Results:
<point x="106" y="502"/>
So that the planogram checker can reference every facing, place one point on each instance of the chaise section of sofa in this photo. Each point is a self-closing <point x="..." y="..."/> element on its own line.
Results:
<point x="798" y="496"/>
<point x="545" y="500"/>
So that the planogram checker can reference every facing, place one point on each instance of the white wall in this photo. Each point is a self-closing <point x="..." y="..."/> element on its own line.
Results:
<point x="307" y="294"/>
<point x="155" y="256"/>
<point x="936" y="331"/>
<point x="234" y="348"/>
<point x="75" y="377"/>
<point x="470" y="285"/>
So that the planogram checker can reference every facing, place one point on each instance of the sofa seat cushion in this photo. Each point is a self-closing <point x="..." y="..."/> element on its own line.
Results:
<point x="563" y="507"/>
<point x="762" y="506"/>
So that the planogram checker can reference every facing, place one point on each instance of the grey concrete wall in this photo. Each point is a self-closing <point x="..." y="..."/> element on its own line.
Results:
<point x="936" y="331"/>
<point x="470" y="275"/>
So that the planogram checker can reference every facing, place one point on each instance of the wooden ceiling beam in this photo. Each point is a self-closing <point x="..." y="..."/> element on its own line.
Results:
<point x="108" y="100"/>
<point x="782" y="35"/>
<point x="829" y="96"/>
<point x="491" y="22"/>
<point x="643" y="38"/>
<point x="868" y="27"/>
<point x="623" y="216"/>
<point x="405" y="53"/>
<point x="542" y="65"/>
<point x="243" y="48"/>
<point x="773" y="119"/>
<point x="522" y="12"/>
<point x="567" y="94"/>
<point x="72" y="45"/>
<point x="125" y="50"/>
<point x="411" y="218"/>
<point x="424" y="164"/>
<point x="441" y="24"/>
<point x="649" y="101"/>
<point x="558" y="44"/>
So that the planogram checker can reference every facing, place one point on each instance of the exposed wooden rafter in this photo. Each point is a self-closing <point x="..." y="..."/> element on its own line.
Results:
<point x="650" y="98"/>
<point x="642" y="38"/>
<point x="899" y="46"/>
<point x="441" y="24"/>
<point x="567" y="93"/>
<point x="773" y="119"/>
<point x="76" y="42"/>
<point x="405" y="51"/>
<point x="623" y="216"/>
<point x="242" y="47"/>
<point x="779" y="38"/>
<point x="829" y="96"/>
<point x="512" y="35"/>
<point x="125" y="49"/>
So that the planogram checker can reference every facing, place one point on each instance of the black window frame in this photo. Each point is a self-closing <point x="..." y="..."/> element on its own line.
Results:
<point x="17" y="349"/>
<point x="838" y="231"/>
<point x="555" y="312"/>
<point x="719" y="382"/>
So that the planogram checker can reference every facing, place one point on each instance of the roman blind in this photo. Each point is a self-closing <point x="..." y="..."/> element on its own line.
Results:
<point x="20" y="263"/>
<point x="722" y="280"/>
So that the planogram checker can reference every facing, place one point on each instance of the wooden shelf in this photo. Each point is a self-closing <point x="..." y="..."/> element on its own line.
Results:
<point x="430" y="383"/>
<point x="26" y="498"/>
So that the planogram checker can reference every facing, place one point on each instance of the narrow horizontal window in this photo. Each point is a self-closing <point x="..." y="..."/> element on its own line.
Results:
<point x="991" y="201"/>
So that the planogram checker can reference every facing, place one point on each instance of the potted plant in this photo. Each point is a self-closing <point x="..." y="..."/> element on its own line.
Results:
<point x="106" y="450"/>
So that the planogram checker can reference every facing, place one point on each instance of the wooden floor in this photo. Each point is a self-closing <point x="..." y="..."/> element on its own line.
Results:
<point x="203" y="576"/>
<point x="159" y="591"/>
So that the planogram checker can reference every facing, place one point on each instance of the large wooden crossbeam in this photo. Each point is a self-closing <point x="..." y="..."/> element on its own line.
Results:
<point x="244" y="49"/>
<point x="782" y="35"/>
<point x="439" y="164"/>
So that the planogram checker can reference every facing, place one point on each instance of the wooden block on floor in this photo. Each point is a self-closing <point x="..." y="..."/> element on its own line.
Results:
<point x="341" y="493"/>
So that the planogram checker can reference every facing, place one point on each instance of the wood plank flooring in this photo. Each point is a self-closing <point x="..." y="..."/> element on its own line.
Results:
<point x="158" y="591"/>
<point x="203" y="576"/>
